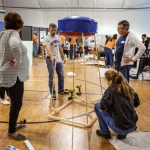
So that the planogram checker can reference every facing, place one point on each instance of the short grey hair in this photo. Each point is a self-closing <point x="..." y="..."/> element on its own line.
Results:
<point x="125" y="24"/>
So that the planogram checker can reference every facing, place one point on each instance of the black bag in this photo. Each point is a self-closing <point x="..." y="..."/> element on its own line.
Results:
<point x="136" y="100"/>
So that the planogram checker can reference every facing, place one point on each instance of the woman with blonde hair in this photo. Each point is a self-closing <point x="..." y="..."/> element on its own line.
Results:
<point x="116" y="108"/>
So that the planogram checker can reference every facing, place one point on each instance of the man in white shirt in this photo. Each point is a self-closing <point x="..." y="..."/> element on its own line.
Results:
<point x="125" y="49"/>
<point x="54" y="54"/>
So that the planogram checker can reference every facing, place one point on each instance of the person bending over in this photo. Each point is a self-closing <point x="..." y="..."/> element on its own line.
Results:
<point x="108" y="51"/>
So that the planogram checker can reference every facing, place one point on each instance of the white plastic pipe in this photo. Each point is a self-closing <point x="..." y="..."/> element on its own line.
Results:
<point x="28" y="144"/>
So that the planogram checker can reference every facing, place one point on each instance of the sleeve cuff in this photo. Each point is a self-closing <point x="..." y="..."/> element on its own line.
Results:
<point x="134" y="59"/>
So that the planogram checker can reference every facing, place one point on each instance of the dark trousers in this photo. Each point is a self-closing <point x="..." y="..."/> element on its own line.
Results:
<point x="66" y="52"/>
<point x="80" y="52"/>
<point x="72" y="48"/>
<point x="109" y="56"/>
<point x="2" y="92"/>
<point x="125" y="70"/>
<point x="86" y="49"/>
<point x="16" y="96"/>
<point x="35" y="50"/>
<point x="60" y="73"/>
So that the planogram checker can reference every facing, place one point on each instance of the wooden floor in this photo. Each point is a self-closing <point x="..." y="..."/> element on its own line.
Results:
<point x="59" y="136"/>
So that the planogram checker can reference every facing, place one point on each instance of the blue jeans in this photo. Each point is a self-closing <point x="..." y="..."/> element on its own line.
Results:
<point x="60" y="73"/>
<point x="86" y="49"/>
<point x="35" y="50"/>
<point x="109" y="56"/>
<point x="72" y="48"/>
<point x="80" y="52"/>
<point x="105" y="121"/>
<point x="125" y="70"/>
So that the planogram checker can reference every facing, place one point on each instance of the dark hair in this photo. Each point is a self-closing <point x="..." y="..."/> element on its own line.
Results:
<point x="13" y="20"/>
<point x="114" y="37"/>
<point x="107" y="39"/>
<point x="53" y="25"/>
<point x="144" y="35"/>
<point x="69" y="39"/>
<point x="148" y="38"/>
<point x="122" y="85"/>
<point x="125" y="23"/>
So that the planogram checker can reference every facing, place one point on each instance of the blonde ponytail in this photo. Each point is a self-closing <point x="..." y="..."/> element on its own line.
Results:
<point x="121" y="83"/>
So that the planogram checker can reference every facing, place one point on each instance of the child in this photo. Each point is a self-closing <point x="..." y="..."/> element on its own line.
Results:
<point x="116" y="108"/>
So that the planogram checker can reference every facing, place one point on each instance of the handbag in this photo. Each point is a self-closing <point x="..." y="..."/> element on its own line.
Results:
<point x="136" y="100"/>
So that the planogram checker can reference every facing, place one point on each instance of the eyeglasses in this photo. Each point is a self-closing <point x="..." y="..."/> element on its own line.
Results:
<point x="120" y="28"/>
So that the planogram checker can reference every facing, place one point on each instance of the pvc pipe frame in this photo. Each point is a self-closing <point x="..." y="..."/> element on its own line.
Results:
<point x="81" y="101"/>
<point x="67" y="121"/>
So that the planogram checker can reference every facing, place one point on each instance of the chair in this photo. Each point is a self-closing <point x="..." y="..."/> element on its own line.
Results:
<point x="147" y="70"/>
<point x="100" y="52"/>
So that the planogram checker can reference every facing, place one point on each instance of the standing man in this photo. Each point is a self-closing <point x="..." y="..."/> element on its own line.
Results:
<point x="125" y="49"/>
<point x="35" y="44"/>
<point x="54" y="58"/>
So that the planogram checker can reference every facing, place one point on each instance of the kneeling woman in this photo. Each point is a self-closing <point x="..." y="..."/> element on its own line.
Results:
<point x="116" y="108"/>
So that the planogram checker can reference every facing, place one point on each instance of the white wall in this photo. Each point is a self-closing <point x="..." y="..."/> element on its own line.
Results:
<point x="107" y="19"/>
<point x="1" y="17"/>
<point x="139" y="22"/>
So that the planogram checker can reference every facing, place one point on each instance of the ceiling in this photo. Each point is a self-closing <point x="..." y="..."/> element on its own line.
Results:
<point x="76" y="4"/>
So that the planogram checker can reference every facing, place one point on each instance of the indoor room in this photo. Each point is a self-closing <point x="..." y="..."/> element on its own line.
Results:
<point x="74" y="75"/>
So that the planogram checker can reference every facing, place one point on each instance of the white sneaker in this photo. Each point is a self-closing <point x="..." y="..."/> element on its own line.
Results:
<point x="5" y="102"/>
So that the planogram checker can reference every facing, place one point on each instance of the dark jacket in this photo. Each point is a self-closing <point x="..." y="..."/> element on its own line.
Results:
<point x="120" y="108"/>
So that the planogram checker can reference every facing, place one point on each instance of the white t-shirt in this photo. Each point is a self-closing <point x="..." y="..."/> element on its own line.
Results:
<point x="54" y="43"/>
<point x="66" y="45"/>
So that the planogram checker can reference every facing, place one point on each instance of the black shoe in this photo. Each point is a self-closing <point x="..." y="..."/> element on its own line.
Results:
<point x="53" y="97"/>
<point x="64" y="92"/>
<point x="107" y="136"/>
<point x="134" y="77"/>
<point x="121" y="137"/>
